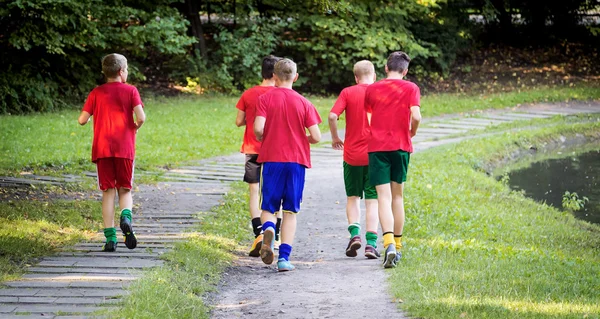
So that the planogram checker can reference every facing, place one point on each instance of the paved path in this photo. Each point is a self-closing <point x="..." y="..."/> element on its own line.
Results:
<point x="80" y="279"/>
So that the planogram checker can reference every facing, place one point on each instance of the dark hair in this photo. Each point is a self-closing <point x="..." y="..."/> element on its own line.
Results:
<point x="268" y="66"/>
<point x="398" y="61"/>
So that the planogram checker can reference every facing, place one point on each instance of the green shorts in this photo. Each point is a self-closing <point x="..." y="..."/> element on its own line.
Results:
<point x="385" y="167"/>
<point x="356" y="179"/>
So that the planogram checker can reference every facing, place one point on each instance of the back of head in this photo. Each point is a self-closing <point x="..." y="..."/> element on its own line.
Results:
<point x="285" y="69"/>
<point x="268" y="66"/>
<point x="364" y="69"/>
<point x="398" y="62"/>
<point x="112" y="64"/>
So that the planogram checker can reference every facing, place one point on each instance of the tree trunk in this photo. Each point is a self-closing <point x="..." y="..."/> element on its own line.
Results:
<point x="194" y="17"/>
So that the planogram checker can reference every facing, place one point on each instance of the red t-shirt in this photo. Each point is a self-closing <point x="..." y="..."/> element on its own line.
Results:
<point x="389" y="101"/>
<point x="288" y="115"/>
<point x="352" y="100"/>
<point x="248" y="103"/>
<point x="111" y="105"/>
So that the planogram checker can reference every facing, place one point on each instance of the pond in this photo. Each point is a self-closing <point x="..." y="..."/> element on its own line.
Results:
<point x="548" y="180"/>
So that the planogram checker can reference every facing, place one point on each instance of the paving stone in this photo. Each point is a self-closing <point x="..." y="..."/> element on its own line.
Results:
<point x="527" y="115"/>
<point x="37" y="316"/>
<point x="440" y="129"/>
<point x="468" y="126"/>
<point x="41" y="308"/>
<point x="18" y="292"/>
<point x="7" y="308"/>
<point x="37" y="299"/>
<point x="480" y="121"/>
<point x="86" y="300"/>
<point x="124" y="254"/>
<point x="95" y="246"/>
<point x="99" y="262"/>
<point x="81" y="292"/>
<point x="5" y="299"/>
<point x="64" y="270"/>
<point x="79" y="276"/>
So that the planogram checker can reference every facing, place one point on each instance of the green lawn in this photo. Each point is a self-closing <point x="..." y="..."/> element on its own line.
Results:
<point x="179" y="130"/>
<point x="474" y="249"/>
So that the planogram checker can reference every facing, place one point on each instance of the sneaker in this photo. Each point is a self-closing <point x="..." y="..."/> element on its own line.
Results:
<point x="389" y="259"/>
<point x="127" y="229"/>
<point x="284" y="265"/>
<point x="353" y="245"/>
<point x="255" y="249"/>
<point x="398" y="256"/>
<point x="371" y="252"/>
<point x="110" y="246"/>
<point x="266" y="249"/>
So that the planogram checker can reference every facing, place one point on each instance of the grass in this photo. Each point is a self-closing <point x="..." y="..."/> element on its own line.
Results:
<point x="184" y="129"/>
<point x="475" y="249"/>
<point x="177" y="289"/>
<point x="34" y="228"/>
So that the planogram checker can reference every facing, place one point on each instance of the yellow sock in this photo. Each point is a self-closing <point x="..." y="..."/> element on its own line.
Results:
<point x="398" y="240"/>
<point x="388" y="239"/>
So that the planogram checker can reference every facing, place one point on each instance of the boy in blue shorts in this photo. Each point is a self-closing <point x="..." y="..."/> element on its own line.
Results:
<point x="282" y="118"/>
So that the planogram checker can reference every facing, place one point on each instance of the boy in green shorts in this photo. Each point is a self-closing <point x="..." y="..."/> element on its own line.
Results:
<point x="395" y="107"/>
<point x="356" y="159"/>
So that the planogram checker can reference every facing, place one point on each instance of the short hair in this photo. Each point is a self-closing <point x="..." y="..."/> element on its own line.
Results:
<point x="112" y="64"/>
<point x="285" y="69"/>
<point x="268" y="66"/>
<point x="398" y="61"/>
<point x="363" y="68"/>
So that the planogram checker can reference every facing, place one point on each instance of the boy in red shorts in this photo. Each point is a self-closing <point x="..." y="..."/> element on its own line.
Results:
<point x="281" y="121"/>
<point x="113" y="105"/>
<point x="356" y="159"/>
<point x="395" y="107"/>
<point x="251" y="146"/>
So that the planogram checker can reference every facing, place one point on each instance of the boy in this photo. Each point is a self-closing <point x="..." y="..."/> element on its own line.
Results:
<point x="113" y="149"/>
<point x="395" y="106"/>
<point x="246" y="113"/>
<point x="281" y="121"/>
<point x="356" y="158"/>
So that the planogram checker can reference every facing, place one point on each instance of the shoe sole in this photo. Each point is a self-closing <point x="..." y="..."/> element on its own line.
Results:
<point x="266" y="253"/>
<point x="130" y="240"/>
<point x="255" y="252"/>
<point x="284" y="269"/>
<point x="371" y="255"/>
<point x="390" y="260"/>
<point x="104" y="249"/>
<point x="352" y="250"/>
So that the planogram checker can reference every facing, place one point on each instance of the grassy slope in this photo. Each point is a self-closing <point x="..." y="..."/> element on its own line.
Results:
<point x="474" y="249"/>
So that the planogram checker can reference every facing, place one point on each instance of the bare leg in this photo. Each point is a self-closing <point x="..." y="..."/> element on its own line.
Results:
<point x="384" y="201"/>
<point x="108" y="207"/>
<point x="353" y="210"/>
<point x="288" y="228"/>
<point x="372" y="215"/>
<point x="398" y="207"/>
<point x="125" y="198"/>
<point x="254" y="200"/>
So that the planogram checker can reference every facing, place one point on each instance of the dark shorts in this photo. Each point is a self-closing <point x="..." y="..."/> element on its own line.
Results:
<point x="252" y="174"/>
<point x="114" y="173"/>
<point x="385" y="167"/>
<point x="356" y="180"/>
<point x="281" y="185"/>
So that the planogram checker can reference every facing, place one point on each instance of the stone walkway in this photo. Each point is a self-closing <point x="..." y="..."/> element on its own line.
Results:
<point x="81" y="280"/>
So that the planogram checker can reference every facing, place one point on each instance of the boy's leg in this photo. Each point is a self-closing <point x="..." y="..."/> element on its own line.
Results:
<point x="252" y="177"/>
<point x="372" y="217"/>
<point x="124" y="169"/>
<point x="106" y="183"/>
<point x="399" y="173"/>
<point x="353" y="182"/>
<point x="380" y="164"/>
<point x="292" y="198"/>
<point x="271" y="193"/>
<point x="278" y="228"/>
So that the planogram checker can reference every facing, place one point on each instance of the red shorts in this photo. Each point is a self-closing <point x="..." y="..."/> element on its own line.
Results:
<point x="114" y="172"/>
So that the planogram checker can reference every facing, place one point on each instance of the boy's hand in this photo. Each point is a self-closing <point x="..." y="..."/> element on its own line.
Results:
<point x="337" y="143"/>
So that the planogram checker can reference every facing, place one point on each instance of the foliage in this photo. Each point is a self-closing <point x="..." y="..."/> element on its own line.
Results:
<point x="572" y="202"/>
<point x="51" y="49"/>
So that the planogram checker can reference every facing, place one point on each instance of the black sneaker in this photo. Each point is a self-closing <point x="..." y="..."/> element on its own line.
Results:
<point x="110" y="246"/>
<point x="127" y="229"/>
<point x="389" y="258"/>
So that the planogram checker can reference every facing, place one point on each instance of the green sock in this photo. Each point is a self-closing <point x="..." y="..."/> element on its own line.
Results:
<point x="110" y="234"/>
<point x="354" y="229"/>
<point x="371" y="239"/>
<point x="126" y="212"/>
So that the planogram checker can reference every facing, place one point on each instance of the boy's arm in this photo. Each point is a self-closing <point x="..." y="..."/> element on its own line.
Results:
<point x="315" y="134"/>
<point x="240" y="120"/>
<point x="140" y="116"/>
<point x="415" y="119"/>
<point x="259" y="127"/>
<point x="336" y="141"/>
<point x="84" y="117"/>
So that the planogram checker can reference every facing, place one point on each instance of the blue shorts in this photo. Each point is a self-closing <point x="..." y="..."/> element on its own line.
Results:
<point x="281" y="184"/>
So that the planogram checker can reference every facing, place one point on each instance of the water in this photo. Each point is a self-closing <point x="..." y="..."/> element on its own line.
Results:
<point x="548" y="180"/>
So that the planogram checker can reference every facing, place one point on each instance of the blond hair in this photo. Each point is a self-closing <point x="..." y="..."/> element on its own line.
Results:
<point x="285" y="69"/>
<point x="112" y="64"/>
<point x="364" y="68"/>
